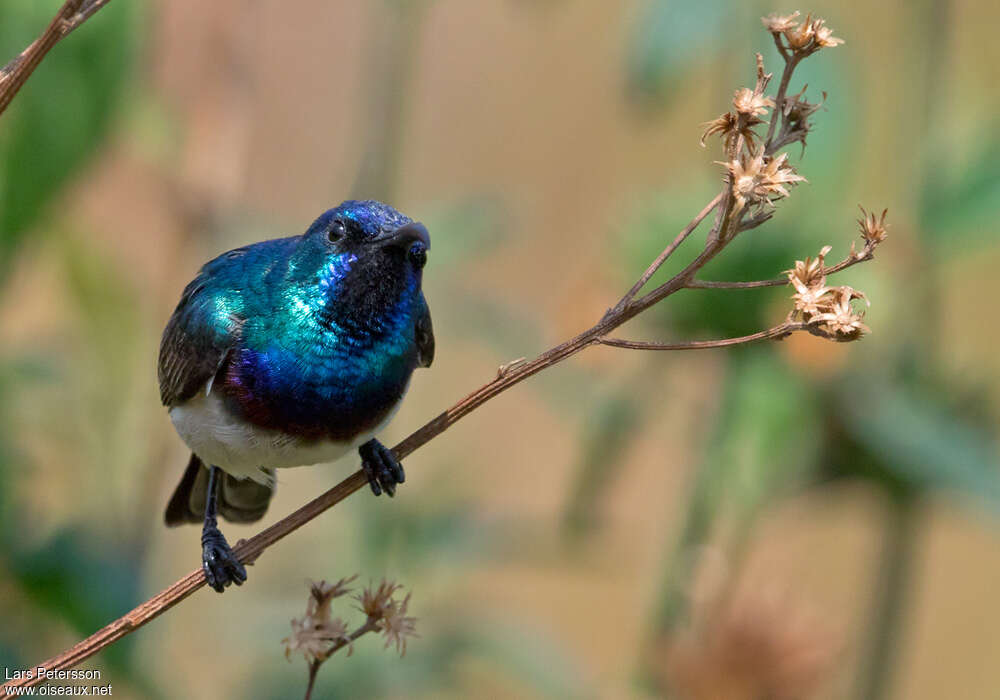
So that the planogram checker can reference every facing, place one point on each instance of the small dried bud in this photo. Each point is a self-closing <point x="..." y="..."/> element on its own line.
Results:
<point x="313" y="638"/>
<point x="746" y="177"/>
<point x="758" y="182"/>
<point x="798" y="109"/>
<point x="322" y="593"/>
<point x="727" y="126"/>
<point x="776" y="174"/>
<point x="776" y="24"/>
<point x="809" y="272"/>
<point x="722" y="125"/>
<point x="396" y="626"/>
<point x="747" y="101"/>
<point x="375" y="602"/>
<point x="841" y="321"/>
<point x="808" y="37"/>
<point x="872" y="227"/>
<point x="799" y="36"/>
<point x="824" y="35"/>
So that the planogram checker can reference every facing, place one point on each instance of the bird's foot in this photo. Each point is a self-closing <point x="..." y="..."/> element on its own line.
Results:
<point x="219" y="561"/>
<point x="381" y="467"/>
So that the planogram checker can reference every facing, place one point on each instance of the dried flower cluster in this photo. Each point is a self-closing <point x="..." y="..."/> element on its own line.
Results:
<point x="802" y="38"/>
<point x="389" y="614"/>
<point x="759" y="179"/>
<point x="318" y="635"/>
<point x="759" y="174"/>
<point x="872" y="227"/>
<point x="730" y="126"/>
<point x="829" y="310"/>
<point x="749" y="102"/>
<point x="738" y="127"/>
<point x="795" y="41"/>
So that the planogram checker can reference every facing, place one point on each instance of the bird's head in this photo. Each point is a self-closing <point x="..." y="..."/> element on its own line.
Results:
<point x="364" y="252"/>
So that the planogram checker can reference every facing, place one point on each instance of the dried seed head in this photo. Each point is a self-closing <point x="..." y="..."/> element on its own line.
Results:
<point x="745" y="176"/>
<point x="727" y="125"/>
<point x="747" y="101"/>
<point x="798" y="109"/>
<point x="799" y="36"/>
<point x="776" y="24"/>
<point x="829" y="311"/>
<point x="811" y="293"/>
<point x="803" y="38"/>
<point x="824" y="35"/>
<point x="840" y="320"/>
<point x="313" y="638"/>
<point x="721" y="125"/>
<point x="396" y="626"/>
<point x="810" y="271"/>
<point x="322" y="593"/>
<point x="872" y="227"/>
<point x="776" y="174"/>
<point x="314" y="633"/>
<point x="375" y="602"/>
<point x="760" y="180"/>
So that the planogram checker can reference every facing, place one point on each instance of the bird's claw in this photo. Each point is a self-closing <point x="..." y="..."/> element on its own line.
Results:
<point x="381" y="467"/>
<point x="219" y="561"/>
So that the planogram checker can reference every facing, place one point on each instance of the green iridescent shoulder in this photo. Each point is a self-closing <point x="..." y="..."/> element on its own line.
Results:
<point x="210" y="315"/>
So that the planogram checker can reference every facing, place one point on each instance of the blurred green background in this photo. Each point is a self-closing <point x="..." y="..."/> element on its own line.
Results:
<point x="790" y="520"/>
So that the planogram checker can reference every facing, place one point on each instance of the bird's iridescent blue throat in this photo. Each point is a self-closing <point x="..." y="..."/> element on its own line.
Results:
<point x="318" y="332"/>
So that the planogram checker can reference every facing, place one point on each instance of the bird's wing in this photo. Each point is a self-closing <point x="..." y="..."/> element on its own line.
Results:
<point x="424" y="336"/>
<point x="196" y="341"/>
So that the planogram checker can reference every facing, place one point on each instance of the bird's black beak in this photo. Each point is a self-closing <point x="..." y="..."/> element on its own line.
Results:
<point x="405" y="236"/>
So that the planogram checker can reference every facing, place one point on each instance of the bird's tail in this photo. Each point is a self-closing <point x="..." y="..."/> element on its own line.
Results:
<point x="240" y="501"/>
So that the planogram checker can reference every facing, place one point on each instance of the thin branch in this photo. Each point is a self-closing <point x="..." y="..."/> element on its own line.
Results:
<point x="667" y="252"/>
<point x="710" y="284"/>
<point x="791" y="61"/>
<point x="313" y="670"/>
<point x="866" y="254"/>
<point x="371" y="625"/>
<point x="70" y="16"/>
<point x="779" y="332"/>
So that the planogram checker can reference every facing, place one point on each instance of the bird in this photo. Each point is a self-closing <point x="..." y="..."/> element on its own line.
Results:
<point x="289" y="352"/>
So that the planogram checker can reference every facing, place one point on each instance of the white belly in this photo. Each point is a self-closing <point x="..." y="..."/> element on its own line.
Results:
<point x="243" y="450"/>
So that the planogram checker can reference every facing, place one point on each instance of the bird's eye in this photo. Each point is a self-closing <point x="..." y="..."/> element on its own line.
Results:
<point x="337" y="231"/>
<point x="418" y="255"/>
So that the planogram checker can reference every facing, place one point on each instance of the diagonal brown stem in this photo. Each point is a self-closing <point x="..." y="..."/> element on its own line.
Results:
<point x="866" y="254"/>
<point x="70" y="16"/>
<point x="780" y="331"/>
<point x="668" y="251"/>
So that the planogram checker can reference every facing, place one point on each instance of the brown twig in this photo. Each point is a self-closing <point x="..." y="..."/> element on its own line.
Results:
<point x="71" y="15"/>
<point x="791" y="61"/>
<point x="729" y="221"/>
<point x="667" y="252"/>
<point x="866" y="254"/>
<point x="779" y="332"/>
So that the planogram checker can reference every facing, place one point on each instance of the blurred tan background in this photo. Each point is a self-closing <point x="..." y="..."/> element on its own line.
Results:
<point x="789" y="520"/>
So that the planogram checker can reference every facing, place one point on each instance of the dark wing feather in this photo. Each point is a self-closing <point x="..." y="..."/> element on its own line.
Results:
<point x="425" y="337"/>
<point x="194" y="346"/>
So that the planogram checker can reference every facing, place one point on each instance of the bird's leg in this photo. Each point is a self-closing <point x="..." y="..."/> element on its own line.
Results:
<point x="217" y="557"/>
<point x="381" y="467"/>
